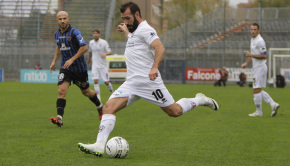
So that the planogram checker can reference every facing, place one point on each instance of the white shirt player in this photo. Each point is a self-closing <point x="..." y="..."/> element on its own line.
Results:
<point x="258" y="47"/>
<point x="97" y="48"/>
<point x="139" y="54"/>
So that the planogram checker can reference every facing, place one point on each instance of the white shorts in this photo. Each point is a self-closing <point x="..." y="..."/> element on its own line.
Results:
<point x="100" y="73"/>
<point x="260" y="76"/>
<point x="158" y="95"/>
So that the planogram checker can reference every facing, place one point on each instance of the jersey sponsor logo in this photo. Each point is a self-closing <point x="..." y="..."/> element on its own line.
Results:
<point x="152" y="34"/>
<point x="68" y="38"/>
<point x="63" y="47"/>
<point x="130" y="44"/>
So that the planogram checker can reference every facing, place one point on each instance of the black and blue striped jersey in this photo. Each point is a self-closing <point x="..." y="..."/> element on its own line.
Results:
<point x="69" y="43"/>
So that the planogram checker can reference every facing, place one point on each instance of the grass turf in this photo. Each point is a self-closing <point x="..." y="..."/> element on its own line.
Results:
<point x="199" y="137"/>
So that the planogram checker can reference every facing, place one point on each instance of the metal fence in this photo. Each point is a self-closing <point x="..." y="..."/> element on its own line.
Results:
<point x="221" y="37"/>
<point x="214" y="40"/>
<point x="27" y="29"/>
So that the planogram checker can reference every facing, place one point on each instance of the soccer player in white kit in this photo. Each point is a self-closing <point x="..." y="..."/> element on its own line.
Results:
<point x="98" y="50"/>
<point x="258" y="55"/>
<point x="144" y="52"/>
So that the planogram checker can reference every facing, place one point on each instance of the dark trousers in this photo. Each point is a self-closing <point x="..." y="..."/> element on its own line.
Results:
<point x="222" y="80"/>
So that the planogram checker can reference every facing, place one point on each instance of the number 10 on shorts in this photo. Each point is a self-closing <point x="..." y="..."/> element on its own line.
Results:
<point x="157" y="94"/>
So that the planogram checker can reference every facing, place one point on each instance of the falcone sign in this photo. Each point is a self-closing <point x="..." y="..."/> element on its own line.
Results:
<point x="212" y="74"/>
<point x="202" y="74"/>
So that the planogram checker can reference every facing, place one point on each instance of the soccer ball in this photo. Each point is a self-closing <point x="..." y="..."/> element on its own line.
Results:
<point x="117" y="147"/>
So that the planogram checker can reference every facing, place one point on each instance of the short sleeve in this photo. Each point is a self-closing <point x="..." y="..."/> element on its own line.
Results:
<point x="107" y="47"/>
<point x="149" y="35"/>
<point x="262" y="47"/>
<point x="79" y="37"/>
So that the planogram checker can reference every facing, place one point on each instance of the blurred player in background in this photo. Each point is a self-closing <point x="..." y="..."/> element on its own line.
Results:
<point x="144" y="52"/>
<point x="71" y="46"/>
<point x="98" y="50"/>
<point x="258" y="55"/>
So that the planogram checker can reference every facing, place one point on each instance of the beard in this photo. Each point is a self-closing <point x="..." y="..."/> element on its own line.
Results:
<point x="63" y="26"/>
<point x="133" y="27"/>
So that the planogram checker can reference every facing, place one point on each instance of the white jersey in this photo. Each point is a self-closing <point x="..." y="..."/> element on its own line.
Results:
<point x="98" y="48"/>
<point x="139" y="54"/>
<point x="258" y="47"/>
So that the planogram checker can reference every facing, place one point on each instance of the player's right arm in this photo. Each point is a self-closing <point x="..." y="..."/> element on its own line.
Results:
<point x="246" y="62"/>
<point x="123" y="28"/>
<point x="57" y="54"/>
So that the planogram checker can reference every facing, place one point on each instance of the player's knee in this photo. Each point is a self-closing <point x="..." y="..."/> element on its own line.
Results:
<point x="61" y="91"/>
<point x="86" y="92"/>
<point x="108" y="109"/>
<point x="175" y="113"/>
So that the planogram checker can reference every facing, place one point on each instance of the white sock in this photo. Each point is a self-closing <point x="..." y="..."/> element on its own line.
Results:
<point x="188" y="104"/>
<point x="266" y="97"/>
<point x="110" y="87"/>
<point x="97" y="90"/>
<point x="106" y="127"/>
<point x="258" y="101"/>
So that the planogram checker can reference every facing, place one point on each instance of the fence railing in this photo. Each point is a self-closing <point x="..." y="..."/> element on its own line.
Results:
<point x="214" y="40"/>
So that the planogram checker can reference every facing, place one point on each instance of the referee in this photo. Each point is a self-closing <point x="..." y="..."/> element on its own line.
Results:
<point x="71" y="46"/>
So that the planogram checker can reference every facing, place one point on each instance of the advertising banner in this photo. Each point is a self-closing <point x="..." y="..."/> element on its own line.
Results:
<point x="1" y="75"/>
<point x="202" y="74"/>
<point x="45" y="76"/>
<point x="212" y="74"/>
<point x="235" y="72"/>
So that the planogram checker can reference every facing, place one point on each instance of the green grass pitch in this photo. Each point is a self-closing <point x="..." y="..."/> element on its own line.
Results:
<point x="199" y="137"/>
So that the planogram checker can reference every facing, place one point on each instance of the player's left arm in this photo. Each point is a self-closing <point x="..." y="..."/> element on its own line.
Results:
<point x="107" y="49"/>
<point x="159" y="54"/>
<point x="260" y="56"/>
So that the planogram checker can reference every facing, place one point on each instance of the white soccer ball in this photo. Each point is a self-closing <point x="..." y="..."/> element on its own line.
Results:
<point x="117" y="147"/>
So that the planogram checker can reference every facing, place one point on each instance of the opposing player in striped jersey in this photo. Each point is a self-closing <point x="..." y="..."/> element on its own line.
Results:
<point x="71" y="46"/>
<point x="258" y="56"/>
<point x="144" y="52"/>
<point x="98" y="50"/>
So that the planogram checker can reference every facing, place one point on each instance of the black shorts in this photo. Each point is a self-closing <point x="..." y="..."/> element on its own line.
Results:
<point x="80" y="79"/>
